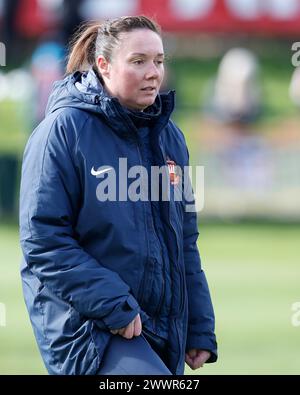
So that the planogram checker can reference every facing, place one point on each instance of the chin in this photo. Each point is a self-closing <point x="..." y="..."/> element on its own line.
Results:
<point x="146" y="103"/>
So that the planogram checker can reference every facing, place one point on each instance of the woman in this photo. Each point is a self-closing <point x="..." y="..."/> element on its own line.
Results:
<point x="112" y="280"/>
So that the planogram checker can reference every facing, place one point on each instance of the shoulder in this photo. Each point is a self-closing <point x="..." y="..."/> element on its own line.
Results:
<point x="62" y="126"/>
<point x="68" y="120"/>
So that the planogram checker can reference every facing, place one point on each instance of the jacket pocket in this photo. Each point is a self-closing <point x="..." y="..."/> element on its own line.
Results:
<point x="67" y="342"/>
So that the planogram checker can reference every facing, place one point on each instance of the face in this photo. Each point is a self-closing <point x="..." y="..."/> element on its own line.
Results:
<point x="136" y="70"/>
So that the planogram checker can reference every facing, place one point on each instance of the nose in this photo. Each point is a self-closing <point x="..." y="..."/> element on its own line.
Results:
<point x="152" y="72"/>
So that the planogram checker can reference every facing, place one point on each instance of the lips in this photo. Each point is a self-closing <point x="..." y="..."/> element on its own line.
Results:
<point x="149" y="89"/>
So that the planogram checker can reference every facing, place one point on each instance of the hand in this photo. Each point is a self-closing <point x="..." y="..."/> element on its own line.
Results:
<point x="196" y="358"/>
<point x="134" y="328"/>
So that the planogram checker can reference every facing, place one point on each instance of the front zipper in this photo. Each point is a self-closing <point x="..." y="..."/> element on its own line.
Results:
<point x="162" y="294"/>
<point x="176" y="320"/>
<point x="175" y="233"/>
<point x="141" y="294"/>
<point x="180" y="274"/>
<point x="177" y="245"/>
<point x="145" y="276"/>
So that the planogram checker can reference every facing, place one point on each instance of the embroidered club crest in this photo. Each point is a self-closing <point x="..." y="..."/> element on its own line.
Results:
<point x="174" y="178"/>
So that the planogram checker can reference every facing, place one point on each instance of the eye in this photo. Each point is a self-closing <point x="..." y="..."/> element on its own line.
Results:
<point x="138" y="61"/>
<point x="159" y="62"/>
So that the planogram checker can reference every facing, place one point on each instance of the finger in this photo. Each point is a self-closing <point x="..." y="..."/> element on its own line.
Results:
<point x="205" y="355"/>
<point x="189" y="361"/>
<point x="197" y="364"/>
<point x="121" y="330"/>
<point x="192" y="365"/>
<point x="137" y="326"/>
<point x="128" y="333"/>
<point x="200" y="359"/>
<point x="197" y="361"/>
<point x="187" y="357"/>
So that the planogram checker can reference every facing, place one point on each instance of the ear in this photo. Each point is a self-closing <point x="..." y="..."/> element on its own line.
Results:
<point x="103" y="66"/>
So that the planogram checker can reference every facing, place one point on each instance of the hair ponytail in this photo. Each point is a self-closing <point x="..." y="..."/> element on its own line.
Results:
<point x="82" y="54"/>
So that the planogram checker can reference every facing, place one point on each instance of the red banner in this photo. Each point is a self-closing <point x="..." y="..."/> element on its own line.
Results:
<point x="256" y="16"/>
<point x="280" y="17"/>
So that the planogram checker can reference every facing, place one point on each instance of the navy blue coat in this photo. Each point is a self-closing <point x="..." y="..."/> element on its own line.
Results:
<point x="86" y="268"/>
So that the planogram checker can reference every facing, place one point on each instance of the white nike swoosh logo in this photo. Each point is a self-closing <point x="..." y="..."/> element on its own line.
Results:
<point x="97" y="173"/>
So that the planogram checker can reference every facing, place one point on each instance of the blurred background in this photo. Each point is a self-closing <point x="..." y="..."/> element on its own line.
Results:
<point x="234" y="65"/>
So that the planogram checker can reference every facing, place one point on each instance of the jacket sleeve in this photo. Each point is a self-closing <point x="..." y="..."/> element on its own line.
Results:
<point x="201" y="323"/>
<point x="49" y="204"/>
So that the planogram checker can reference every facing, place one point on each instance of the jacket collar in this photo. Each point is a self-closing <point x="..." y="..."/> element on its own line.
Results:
<point x="89" y="93"/>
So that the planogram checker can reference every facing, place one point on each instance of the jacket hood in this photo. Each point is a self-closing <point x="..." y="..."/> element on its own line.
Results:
<point x="84" y="91"/>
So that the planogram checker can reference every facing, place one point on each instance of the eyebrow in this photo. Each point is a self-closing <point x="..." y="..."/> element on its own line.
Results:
<point x="143" y="54"/>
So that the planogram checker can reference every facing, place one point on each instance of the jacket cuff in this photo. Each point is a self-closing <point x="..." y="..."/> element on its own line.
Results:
<point x="123" y="314"/>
